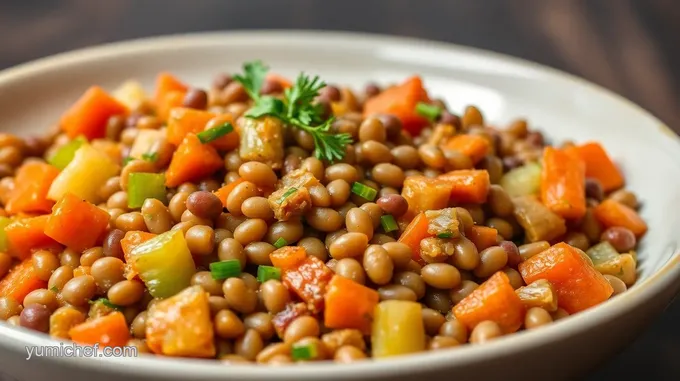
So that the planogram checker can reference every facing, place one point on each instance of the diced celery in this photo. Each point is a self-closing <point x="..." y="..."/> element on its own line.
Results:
<point x="130" y="93"/>
<point x="84" y="175"/>
<point x="143" y="185"/>
<point x="397" y="328"/>
<point x="602" y="252"/>
<point x="522" y="181"/>
<point x="164" y="263"/>
<point x="65" y="153"/>
<point x="4" y="245"/>
<point x="540" y="293"/>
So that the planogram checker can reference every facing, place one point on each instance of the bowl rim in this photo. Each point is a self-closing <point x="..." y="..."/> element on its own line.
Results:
<point x="175" y="368"/>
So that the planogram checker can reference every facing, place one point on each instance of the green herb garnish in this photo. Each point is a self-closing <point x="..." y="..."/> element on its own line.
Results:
<point x="429" y="111"/>
<point x="150" y="156"/>
<point x="265" y="273"/>
<point x="107" y="303"/>
<point x="364" y="191"/>
<point x="225" y="269"/>
<point x="303" y="352"/>
<point x="54" y="289"/>
<point x="279" y="243"/>
<point x="127" y="160"/>
<point x="296" y="109"/>
<point x="388" y="223"/>
<point x="445" y="235"/>
<point x="215" y="133"/>
<point x="286" y="195"/>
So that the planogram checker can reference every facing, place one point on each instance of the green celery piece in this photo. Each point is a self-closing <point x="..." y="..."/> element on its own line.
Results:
<point x="602" y="252"/>
<point x="164" y="263"/>
<point x="65" y="153"/>
<point x="145" y="185"/>
<point x="522" y="181"/>
<point x="4" y="245"/>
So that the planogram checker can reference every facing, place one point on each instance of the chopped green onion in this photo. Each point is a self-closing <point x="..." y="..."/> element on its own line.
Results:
<point x="215" y="133"/>
<point x="150" y="156"/>
<point x="303" y="352"/>
<point x="364" y="191"/>
<point x="105" y="302"/>
<point x="143" y="185"/>
<point x="281" y="242"/>
<point x="388" y="223"/>
<point x="225" y="269"/>
<point x="54" y="289"/>
<point x="4" y="244"/>
<point x="445" y="235"/>
<point x="127" y="160"/>
<point x="63" y="156"/>
<point x="265" y="273"/>
<point x="429" y="111"/>
<point x="286" y="195"/>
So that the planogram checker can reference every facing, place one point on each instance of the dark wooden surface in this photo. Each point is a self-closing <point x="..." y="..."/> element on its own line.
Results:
<point x="628" y="46"/>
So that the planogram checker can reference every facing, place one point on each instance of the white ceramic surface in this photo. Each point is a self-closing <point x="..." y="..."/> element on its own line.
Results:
<point x="33" y="95"/>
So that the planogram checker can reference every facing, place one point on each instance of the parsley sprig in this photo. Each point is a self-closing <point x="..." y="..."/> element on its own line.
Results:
<point x="296" y="109"/>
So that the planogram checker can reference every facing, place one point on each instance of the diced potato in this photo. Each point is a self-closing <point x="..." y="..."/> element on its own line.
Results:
<point x="539" y="223"/>
<point x="290" y="202"/>
<point x="522" y="181"/>
<point x="540" y="293"/>
<point x="181" y="325"/>
<point x="622" y="266"/>
<point x="84" y="175"/>
<point x="299" y="178"/>
<point x="262" y="140"/>
<point x="63" y="319"/>
<point x="145" y="141"/>
<point x="397" y="329"/>
<point x="443" y="221"/>
<point x="130" y="93"/>
<point x="602" y="252"/>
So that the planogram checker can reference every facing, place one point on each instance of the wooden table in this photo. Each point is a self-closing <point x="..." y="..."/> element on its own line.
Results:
<point x="628" y="46"/>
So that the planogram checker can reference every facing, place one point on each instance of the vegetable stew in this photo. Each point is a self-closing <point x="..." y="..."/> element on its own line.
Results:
<point x="272" y="221"/>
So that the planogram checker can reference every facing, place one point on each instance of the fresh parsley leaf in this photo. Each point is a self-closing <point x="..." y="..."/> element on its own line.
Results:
<point x="253" y="78"/>
<point x="54" y="289"/>
<point x="266" y="106"/>
<point x="127" y="160"/>
<point x="297" y="109"/>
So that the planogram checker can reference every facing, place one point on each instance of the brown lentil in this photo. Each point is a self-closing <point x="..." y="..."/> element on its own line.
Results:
<point x="397" y="292"/>
<point x="440" y="275"/>
<point x="106" y="272"/>
<point x="304" y="326"/>
<point x="314" y="247"/>
<point x="78" y="291"/>
<point x="44" y="263"/>
<point x="126" y="292"/>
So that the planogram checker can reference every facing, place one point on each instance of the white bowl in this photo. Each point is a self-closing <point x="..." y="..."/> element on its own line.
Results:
<point x="32" y="96"/>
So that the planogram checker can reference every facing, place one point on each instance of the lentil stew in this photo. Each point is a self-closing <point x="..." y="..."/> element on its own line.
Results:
<point x="285" y="222"/>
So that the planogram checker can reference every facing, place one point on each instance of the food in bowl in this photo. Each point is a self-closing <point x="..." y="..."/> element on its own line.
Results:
<point x="275" y="222"/>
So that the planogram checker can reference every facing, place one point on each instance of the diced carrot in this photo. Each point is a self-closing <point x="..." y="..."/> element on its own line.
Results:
<point x="613" y="213"/>
<point x="108" y="331"/>
<point x="578" y="285"/>
<point x="349" y="305"/>
<point x="168" y="102"/>
<point x="183" y="121"/>
<point x="482" y="236"/>
<point x="81" y="270"/>
<point x="129" y="242"/>
<point x="167" y="83"/>
<point x="76" y="224"/>
<point x="599" y="166"/>
<point x="283" y="81"/>
<point x="415" y="232"/>
<point x="88" y="116"/>
<point x="20" y="281"/>
<point x="401" y="101"/>
<point x="424" y="193"/>
<point x="31" y="184"/>
<point x="28" y="234"/>
<point x="493" y="300"/>
<point x="473" y="146"/>
<point x="563" y="183"/>
<point x="192" y="160"/>
<point x="224" y="192"/>
<point x="288" y="257"/>
<point x="469" y="185"/>
<point x="309" y="281"/>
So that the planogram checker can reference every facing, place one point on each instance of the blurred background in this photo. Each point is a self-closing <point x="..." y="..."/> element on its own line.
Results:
<point x="628" y="46"/>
